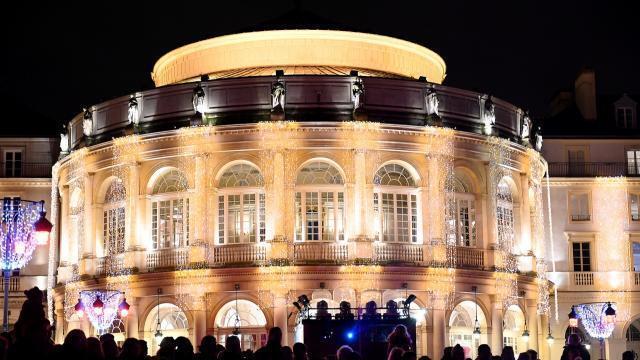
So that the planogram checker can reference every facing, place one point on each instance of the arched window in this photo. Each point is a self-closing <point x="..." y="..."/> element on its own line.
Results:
<point x="241" y="205"/>
<point x="513" y="326"/>
<point x="319" y="203"/>
<point x="462" y="322"/>
<point x="173" y="322"/>
<point x="245" y="316"/>
<point x="504" y="214"/>
<point x="395" y="204"/>
<point x="113" y="218"/>
<point x="465" y="215"/>
<point x="170" y="211"/>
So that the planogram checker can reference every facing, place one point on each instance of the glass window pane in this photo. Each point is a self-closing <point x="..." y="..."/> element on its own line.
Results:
<point x="234" y="219"/>
<point x="249" y="217"/>
<point x="388" y="215"/>
<point x="221" y="219"/>
<point x="402" y="213"/>
<point x="328" y="217"/>
<point x="312" y="224"/>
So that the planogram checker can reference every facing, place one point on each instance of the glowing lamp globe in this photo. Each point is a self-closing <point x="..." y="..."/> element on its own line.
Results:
<point x="158" y="335"/>
<point x="476" y="333"/>
<point x="98" y="306"/>
<point x="573" y="318"/>
<point x="42" y="229"/>
<point x="124" y="308"/>
<point x="525" y="335"/>
<point x="610" y="314"/>
<point x="550" y="339"/>
<point x="79" y="309"/>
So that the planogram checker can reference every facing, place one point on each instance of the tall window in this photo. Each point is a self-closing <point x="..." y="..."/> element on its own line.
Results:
<point x="113" y="217"/>
<point x="319" y="203"/>
<point x="13" y="163"/>
<point x="504" y="213"/>
<point x="465" y="216"/>
<point x="576" y="157"/>
<point x="624" y="117"/>
<point x="633" y="162"/>
<point x="634" y="206"/>
<point x="395" y="204"/>
<point x="241" y="205"/>
<point x="579" y="206"/>
<point x="170" y="211"/>
<point x="581" y="255"/>
<point x="635" y="252"/>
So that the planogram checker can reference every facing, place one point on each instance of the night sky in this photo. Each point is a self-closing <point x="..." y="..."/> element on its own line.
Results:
<point x="57" y="58"/>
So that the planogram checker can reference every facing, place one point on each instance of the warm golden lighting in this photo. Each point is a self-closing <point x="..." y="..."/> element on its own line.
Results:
<point x="299" y="48"/>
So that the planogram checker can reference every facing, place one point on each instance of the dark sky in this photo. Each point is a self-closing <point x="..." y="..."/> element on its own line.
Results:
<point x="56" y="58"/>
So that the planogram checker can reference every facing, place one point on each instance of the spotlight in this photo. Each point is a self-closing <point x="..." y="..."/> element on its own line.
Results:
<point x="279" y="72"/>
<point x="392" y="310"/>
<point x="353" y="73"/>
<point x="297" y="305"/>
<point x="371" y="311"/>
<point x="422" y="79"/>
<point x="409" y="300"/>
<point x="350" y="335"/>
<point x="204" y="78"/>
<point x="345" y="311"/>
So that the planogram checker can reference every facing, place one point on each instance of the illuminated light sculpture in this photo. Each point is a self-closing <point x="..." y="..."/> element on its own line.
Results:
<point x="598" y="319"/>
<point x="23" y="227"/>
<point x="101" y="307"/>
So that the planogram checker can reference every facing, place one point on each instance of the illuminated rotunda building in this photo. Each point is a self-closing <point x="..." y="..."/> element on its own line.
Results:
<point x="271" y="164"/>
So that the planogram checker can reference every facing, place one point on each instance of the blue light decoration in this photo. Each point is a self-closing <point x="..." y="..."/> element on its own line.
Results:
<point x="594" y="319"/>
<point x="101" y="307"/>
<point x="350" y="335"/>
<point x="17" y="233"/>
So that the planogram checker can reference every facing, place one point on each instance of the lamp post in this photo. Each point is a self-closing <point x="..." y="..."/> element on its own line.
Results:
<point x="23" y="226"/>
<point x="598" y="319"/>
<point x="102" y="307"/>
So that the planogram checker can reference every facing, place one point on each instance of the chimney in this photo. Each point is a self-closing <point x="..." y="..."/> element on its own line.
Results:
<point x="585" y="94"/>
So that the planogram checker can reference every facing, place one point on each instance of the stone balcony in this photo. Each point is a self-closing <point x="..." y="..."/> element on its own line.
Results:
<point x="297" y="253"/>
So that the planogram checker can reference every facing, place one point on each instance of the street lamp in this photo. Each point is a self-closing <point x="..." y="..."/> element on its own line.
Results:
<point x="476" y="329"/>
<point x="23" y="226"/>
<point x="573" y="318"/>
<point x="610" y="314"/>
<point x="550" y="338"/>
<point x="158" y="335"/>
<point x="101" y="307"/>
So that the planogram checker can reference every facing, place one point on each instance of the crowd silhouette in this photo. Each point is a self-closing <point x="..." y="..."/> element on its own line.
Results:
<point x="32" y="334"/>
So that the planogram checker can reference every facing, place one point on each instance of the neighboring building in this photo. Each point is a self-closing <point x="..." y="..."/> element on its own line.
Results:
<point x="25" y="172"/>
<point x="311" y="172"/>
<point x="592" y="146"/>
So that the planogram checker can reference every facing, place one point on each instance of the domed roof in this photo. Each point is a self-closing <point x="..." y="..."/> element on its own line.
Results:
<point x="298" y="52"/>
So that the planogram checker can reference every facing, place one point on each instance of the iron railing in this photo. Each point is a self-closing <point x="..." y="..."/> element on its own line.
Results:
<point x="19" y="169"/>
<point x="592" y="169"/>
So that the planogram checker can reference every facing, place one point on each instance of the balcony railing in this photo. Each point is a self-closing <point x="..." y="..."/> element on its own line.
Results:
<point x="397" y="253"/>
<point x="583" y="278"/>
<point x="592" y="169"/>
<point x="109" y="265"/>
<point x="237" y="254"/>
<point x="167" y="258"/>
<point x="467" y="257"/>
<point x="14" y="283"/>
<point x="320" y="252"/>
<point x="636" y="278"/>
<point x="25" y="170"/>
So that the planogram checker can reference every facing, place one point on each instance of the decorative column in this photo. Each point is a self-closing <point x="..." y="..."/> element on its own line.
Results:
<point x="133" y="319"/>
<point x="64" y="227"/>
<point x="532" y="323"/>
<point x="490" y="215"/>
<point x="280" y="316"/>
<point x="438" y="338"/>
<point x="200" y="200"/>
<point x="496" y="325"/>
<point x="60" y="322"/>
<point x="525" y="216"/>
<point x="89" y="246"/>
<point x="543" y="347"/>
<point x="133" y="193"/>
<point x="277" y="195"/>
<point x="359" y="226"/>
<point x="199" y="319"/>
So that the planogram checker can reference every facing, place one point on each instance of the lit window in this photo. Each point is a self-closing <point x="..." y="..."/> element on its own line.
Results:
<point x="581" y="255"/>
<point x="113" y="217"/>
<point x="319" y="203"/>
<point x="241" y="205"/>
<point x="633" y="162"/>
<point x="170" y="211"/>
<point x="579" y="206"/>
<point x="395" y="205"/>
<point x="634" y="206"/>
<point x="504" y="213"/>
<point x="635" y="251"/>
<point x="465" y="216"/>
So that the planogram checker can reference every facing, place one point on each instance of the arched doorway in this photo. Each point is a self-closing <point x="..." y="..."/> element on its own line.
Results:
<point x="633" y="336"/>
<point x="173" y="322"/>
<point x="244" y="319"/>
<point x="461" y="326"/>
<point x="513" y="326"/>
